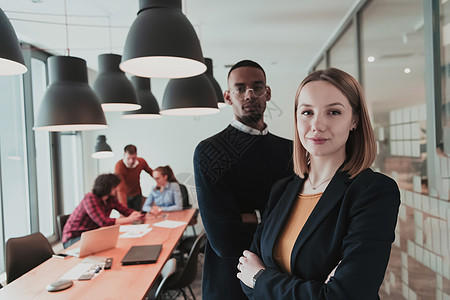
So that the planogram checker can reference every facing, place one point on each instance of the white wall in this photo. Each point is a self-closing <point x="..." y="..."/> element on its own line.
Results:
<point x="172" y="140"/>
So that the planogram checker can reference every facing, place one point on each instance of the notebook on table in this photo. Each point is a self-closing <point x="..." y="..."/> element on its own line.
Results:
<point x="96" y="240"/>
<point x="146" y="254"/>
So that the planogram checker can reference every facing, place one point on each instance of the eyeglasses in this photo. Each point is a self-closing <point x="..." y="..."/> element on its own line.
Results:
<point x="258" y="91"/>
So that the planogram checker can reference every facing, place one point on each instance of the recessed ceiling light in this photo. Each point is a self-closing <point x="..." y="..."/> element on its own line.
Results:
<point x="407" y="70"/>
<point x="371" y="59"/>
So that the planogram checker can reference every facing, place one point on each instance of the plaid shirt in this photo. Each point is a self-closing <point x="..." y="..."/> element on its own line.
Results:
<point x="92" y="213"/>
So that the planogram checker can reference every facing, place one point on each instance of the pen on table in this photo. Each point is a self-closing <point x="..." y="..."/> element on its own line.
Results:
<point x="98" y="269"/>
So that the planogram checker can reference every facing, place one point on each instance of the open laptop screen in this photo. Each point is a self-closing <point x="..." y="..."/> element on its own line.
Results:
<point x="96" y="240"/>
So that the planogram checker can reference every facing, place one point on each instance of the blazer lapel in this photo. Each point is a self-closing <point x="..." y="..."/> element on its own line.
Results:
<point x="332" y="195"/>
<point x="281" y="213"/>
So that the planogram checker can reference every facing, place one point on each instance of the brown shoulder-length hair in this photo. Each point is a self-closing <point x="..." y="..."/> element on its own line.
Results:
<point x="361" y="148"/>
<point x="167" y="171"/>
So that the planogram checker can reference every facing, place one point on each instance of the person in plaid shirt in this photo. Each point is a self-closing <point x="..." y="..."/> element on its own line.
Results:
<point x="94" y="210"/>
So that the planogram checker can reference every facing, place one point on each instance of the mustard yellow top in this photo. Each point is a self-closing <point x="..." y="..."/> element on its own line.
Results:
<point x="297" y="219"/>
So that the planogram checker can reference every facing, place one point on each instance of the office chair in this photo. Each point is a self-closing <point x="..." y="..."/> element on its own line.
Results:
<point x="185" y="275"/>
<point x="185" y="196"/>
<point x="25" y="253"/>
<point x="61" y="220"/>
<point x="169" y="268"/>
<point x="187" y="205"/>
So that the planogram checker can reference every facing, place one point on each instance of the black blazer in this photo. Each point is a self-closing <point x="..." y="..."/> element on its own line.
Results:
<point x="352" y="225"/>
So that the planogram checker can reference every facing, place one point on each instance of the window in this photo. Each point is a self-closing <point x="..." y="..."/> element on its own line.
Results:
<point x="40" y="172"/>
<point x="13" y="161"/>
<point x="343" y="53"/>
<point x="72" y="172"/>
<point x="42" y="152"/>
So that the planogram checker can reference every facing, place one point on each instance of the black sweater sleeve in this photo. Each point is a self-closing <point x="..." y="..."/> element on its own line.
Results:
<point x="220" y="212"/>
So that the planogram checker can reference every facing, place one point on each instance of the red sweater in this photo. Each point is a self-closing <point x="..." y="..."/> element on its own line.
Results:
<point x="130" y="178"/>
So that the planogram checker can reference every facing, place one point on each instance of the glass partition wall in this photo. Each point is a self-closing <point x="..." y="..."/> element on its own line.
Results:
<point x="40" y="172"/>
<point x="404" y="65"/>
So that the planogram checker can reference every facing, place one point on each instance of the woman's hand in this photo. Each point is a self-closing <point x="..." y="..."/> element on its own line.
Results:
<point x="155" y="210"/>
<point x="249" y="265"/>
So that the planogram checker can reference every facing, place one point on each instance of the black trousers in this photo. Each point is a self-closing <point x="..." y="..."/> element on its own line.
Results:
<point x="135" y="202"/>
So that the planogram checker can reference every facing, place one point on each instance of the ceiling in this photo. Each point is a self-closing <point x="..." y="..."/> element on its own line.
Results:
<point x="281" y="35"/>
<point x="284" y="36"/>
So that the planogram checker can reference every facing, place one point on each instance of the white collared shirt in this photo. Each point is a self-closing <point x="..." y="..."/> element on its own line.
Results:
<point x="136" y="163"/>
<point x="247" y="129"/>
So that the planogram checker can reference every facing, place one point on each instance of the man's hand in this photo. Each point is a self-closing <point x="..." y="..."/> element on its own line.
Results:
<point x="135" y="215"/>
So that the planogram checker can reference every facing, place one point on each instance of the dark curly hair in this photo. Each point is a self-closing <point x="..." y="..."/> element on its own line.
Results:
<point x="104" y="183"/>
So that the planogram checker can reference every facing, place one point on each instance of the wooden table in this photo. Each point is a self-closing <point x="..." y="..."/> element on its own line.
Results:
<point x="121" y="282"/>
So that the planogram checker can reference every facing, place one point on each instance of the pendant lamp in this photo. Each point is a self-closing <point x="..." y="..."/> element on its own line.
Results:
<point x="215" y="84"/>
<point x="102" y="149"/>
<point x="11" y="57"/>
<point x="162" y="43"/>
<point x="189" y="97"/>
<point x="112" y="86"/>
<point x="149" y="105"/>
<point x="69" y="103"/>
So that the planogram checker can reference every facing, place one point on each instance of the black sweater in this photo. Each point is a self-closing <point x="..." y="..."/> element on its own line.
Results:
<point x="234" y="173"/>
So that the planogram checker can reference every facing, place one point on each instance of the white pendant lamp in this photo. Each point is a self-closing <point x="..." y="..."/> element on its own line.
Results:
<point x="162" y="43"/>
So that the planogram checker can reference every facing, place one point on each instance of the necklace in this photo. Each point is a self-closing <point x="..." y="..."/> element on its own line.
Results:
<point x="314" y="187"/>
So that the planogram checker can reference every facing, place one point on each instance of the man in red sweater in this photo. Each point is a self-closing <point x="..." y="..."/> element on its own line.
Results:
<point x="129" y="170"/>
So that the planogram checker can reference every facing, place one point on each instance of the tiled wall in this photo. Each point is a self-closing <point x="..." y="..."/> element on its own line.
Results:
<point x="419" y="267"/>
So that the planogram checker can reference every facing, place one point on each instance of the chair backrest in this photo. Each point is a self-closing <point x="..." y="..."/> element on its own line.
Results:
<point x="185" y="196"/>
<point x="169" y="268"/>
<point x="62" y="219"/>
<point x="25" y="253"/>
<point x="187" y="274"/>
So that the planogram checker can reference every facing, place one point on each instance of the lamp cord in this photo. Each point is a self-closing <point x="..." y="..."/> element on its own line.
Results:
<point x="110" y="34"/>
<point x="67" y="27"/>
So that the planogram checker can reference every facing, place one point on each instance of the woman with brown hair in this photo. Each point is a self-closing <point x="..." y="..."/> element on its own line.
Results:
<point x="166" y="194"/>
<point x="328" y="230"/>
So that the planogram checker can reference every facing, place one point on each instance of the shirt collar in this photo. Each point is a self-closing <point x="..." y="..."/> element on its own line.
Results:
<point x="136" y="163"/>
<point x="247" y="129"/>
<point x="164" y="187"/>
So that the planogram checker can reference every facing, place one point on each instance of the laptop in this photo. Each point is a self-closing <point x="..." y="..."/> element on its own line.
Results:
<point x="146" y="254"/>
<point x="96" y="240"/>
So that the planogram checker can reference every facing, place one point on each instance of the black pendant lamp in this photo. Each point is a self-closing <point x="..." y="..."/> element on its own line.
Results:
<point x="112" y="86"/>
<point x="215" y="84"/>
<point x="189" y="97"/>
<point x="69" y="103"/>
<point x="149" y="105"/>
<point x="102" y="149"/>
<point x="162" y="43"/>
<point x="11" y="57"/>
